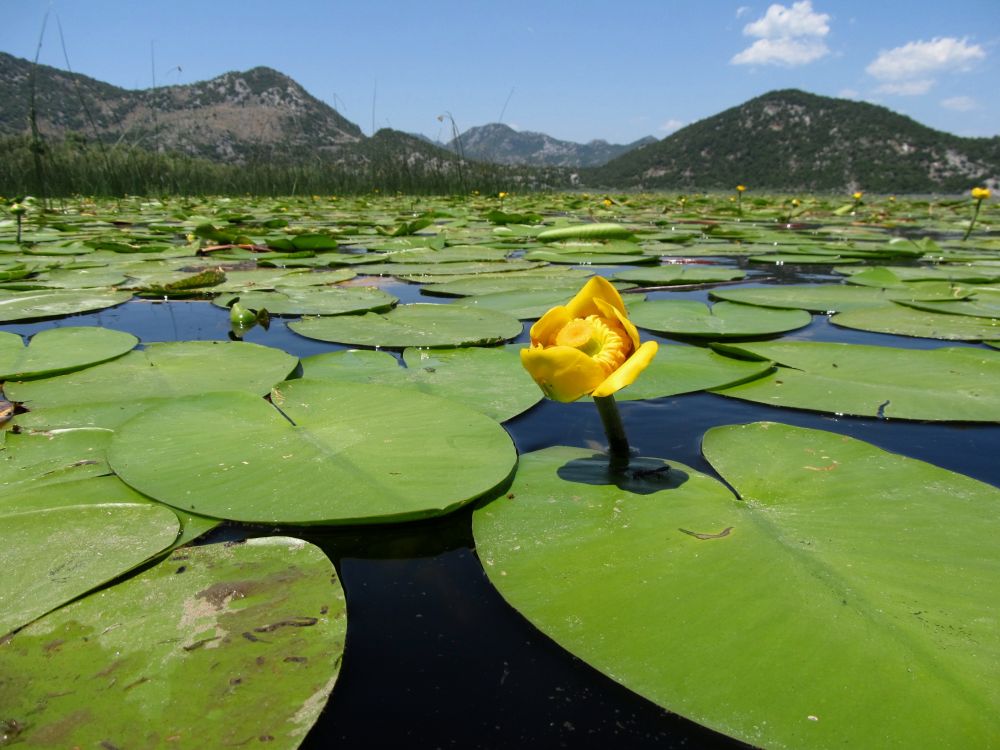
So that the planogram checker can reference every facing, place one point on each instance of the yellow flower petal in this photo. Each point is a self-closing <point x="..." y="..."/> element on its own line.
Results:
<point x="628" y="372"/>
<point x="562" y="372"/>
<point x="597" y="287"/>
<point x="547" y="327"/>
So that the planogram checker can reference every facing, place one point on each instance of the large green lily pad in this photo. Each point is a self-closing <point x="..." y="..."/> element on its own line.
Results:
<point x="456" y="374"/>
<point x="53" y="555"/>
<point x="48" y="304"/>
<point x="30" y="459"/>
<point x="679" y="274"/>
<point x="217" y="646"/>
<point x="902" y="320"/>
<point x="335" y="453"/>
<point x="820" y="298"/>
<point x="721" y="320"/>
<point x="934" y="384"/>
<point x="312" y="300"/>
<point x="849" y="597"/>
<point x="57" y="350"/>
<point x="684" y="369"/>
<point x="162" y="371"/>
<point x="419" y="324"/>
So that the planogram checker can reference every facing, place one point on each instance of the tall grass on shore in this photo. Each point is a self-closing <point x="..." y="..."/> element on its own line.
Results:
<point x="78" y="166"/>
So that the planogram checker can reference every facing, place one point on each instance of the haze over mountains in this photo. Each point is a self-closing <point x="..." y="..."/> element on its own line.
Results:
<point x="785" y="140"/>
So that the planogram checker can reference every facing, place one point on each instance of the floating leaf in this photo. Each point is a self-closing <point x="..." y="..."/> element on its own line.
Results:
<point x="57" y="350"/>
<point x="312" y="300"/>
<point x="721" y="320"/>
<point x="905" y="321"/>
<point x="875" y="381"/>
<point x="29" y="459"/>
<point x="414" y="325"/>
<point x="800" y="616"/>
<point x="161" y="371"/>
<point x="243" y="645"/>
<point x="683" y="369"/>
<point x="48" y="304"/>
<point x="820" y="298"/>
<point x="456" y="374"/>
<point x="599" y="231"/>
<point x="335" y="453"/>
<point x="679" y="274"/>
<point x="53" y="555"/>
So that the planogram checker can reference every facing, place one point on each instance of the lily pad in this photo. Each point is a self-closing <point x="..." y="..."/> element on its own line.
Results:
<point x="819" y="298"/>
<point x="588" y="259"/>
<point x="48" y="304"/>
<point x="161" y="371"/>
<point x="685" y="369"/>
<point x="875" y="381"/>
<point x="798" y="616"/>
<point x="31" y="459"/>
<point x="721" y="320"/>
<point x="406" y="270"/>
<point x="419" y="324"/>
<point x="57" y="350"/>
<point x="335" y="453"/>
<point x="456" y="374"/>
<point x="679" y="274"/>
<point x="312" y="301"/>
<point x="53" y="555"/>
<point x="243" y="645"/>
<point x="902" y="320"/>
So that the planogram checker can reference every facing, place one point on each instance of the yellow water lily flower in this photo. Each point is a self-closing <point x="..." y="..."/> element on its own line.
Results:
<point x="587" y="347"/>
<point x="740" y="188"/>
<point x="980" y="193"/>
<point x="858" y="195"/>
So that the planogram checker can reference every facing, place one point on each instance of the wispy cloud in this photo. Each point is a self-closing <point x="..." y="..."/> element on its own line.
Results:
<point x="915" y="87"/>
<point x="910" y="70"/>
<point x="960" y="103"/>
<point x="848" y="93"/>
<point x="786" y="36"/>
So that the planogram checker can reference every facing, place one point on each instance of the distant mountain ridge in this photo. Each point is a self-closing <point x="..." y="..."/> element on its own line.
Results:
<point x="233" y="117"/>
<point x="501" y="144"/>
<point x="785" y="140"/>
<point x="793" y="140"/>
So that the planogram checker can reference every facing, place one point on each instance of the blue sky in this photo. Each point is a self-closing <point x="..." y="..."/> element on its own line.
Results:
<point x="575" y="70"/>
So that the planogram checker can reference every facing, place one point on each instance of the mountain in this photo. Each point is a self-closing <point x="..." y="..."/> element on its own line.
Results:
<point x="501" y="144"/>
<point x="234" y="117"/>
<point x="794" y="141"/>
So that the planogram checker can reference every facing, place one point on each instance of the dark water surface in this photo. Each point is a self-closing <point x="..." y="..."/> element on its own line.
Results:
<point x="434" y="657"/>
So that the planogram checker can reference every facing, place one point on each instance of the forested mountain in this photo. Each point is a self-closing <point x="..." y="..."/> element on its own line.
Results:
<point x="792" y="140"/>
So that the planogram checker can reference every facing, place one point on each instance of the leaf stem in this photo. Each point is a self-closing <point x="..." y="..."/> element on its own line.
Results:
<point x="611" y="418"/>
<point x="975" y="215"/>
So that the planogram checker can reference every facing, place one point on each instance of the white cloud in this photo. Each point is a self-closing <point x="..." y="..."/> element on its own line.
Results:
<point x="916" y="87"/>
<point x="781" y="52"/>
<point x="786" y="36"/>
<point x="799" y="20"/>
<point x="671" y="125"/>
<point x="919" y="59"/>
<point x="742" y="11"/>
<point x="848" y="94"/>
<point x="960" y="103"/>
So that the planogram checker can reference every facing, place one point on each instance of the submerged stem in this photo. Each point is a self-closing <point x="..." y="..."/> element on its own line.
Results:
<point x="614" y="429"/>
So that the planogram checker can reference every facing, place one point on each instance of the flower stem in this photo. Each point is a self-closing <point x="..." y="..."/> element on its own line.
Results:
<point x="612" y="420"/>
<point x="975" y="215"/>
